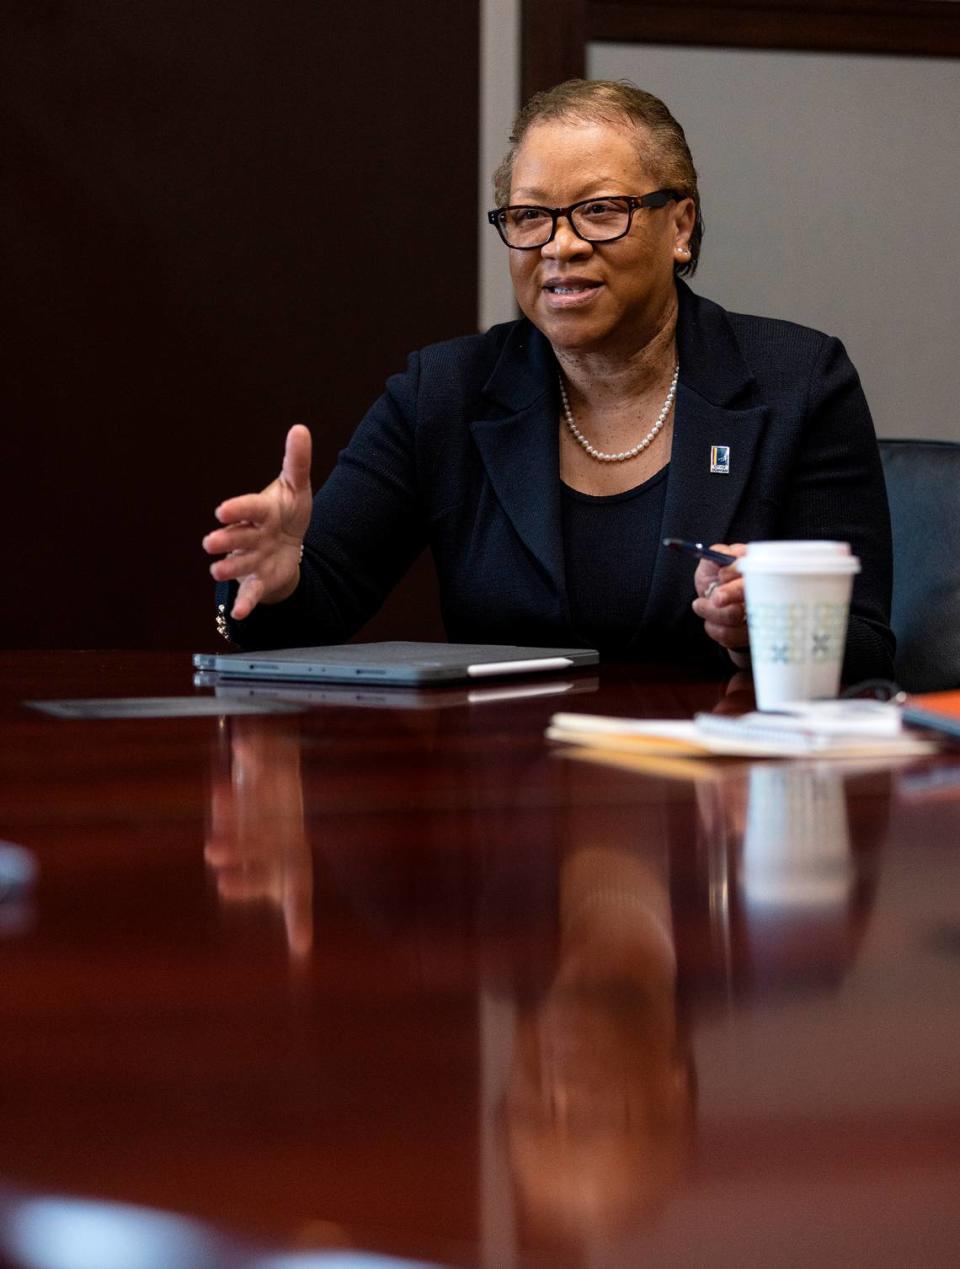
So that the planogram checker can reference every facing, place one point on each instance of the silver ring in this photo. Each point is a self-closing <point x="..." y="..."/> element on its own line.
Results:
<point x="710" y="589"/>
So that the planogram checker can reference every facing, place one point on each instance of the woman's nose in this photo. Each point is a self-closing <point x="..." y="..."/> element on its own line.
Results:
<point x="565" y="245"/>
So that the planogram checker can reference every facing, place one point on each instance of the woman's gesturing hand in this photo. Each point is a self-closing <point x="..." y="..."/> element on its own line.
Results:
<point x="720" y="603"/>
<point x="261" y="534"/>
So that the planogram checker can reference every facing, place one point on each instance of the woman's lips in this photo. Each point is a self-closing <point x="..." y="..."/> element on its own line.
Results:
<point x="570" y="292"/>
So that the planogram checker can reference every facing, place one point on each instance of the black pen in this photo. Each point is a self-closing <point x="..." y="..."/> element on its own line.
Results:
<point x="700" y="551"/>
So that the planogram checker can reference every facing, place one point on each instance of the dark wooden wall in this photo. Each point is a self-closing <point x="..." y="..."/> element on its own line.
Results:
<point x="210" y="228"/>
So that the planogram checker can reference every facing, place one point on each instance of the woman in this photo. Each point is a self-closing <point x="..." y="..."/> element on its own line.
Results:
<point x="545" y="460"/>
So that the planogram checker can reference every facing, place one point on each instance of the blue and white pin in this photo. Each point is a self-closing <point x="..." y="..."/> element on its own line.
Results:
<point x="720" y="459"/>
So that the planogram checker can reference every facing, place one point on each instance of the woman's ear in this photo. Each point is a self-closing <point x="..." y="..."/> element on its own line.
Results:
<point x="684" y="221"/>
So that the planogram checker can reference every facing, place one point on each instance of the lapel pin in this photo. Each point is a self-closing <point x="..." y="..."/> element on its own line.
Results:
<point x="720" y="459"/>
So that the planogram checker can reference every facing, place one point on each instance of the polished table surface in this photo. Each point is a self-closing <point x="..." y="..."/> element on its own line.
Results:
<point x="409" y="980"/>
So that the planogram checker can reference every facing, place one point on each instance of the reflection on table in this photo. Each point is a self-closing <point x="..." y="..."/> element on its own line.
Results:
<point x="410" y="982"/>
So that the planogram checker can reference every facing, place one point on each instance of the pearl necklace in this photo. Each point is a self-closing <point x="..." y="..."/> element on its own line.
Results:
<point x="598" y="454"/>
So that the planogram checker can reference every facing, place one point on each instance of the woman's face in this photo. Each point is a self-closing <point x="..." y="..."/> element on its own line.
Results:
<point x="595" y="296"/>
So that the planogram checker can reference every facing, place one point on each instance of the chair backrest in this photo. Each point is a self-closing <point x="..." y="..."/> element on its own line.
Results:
<point x="923" y="486"/>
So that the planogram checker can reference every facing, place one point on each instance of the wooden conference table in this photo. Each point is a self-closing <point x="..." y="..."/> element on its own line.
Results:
<point x="409" y="980"/>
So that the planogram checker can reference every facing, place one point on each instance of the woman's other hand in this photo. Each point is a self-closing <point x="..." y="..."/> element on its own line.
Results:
<point x="720" y="603"/>
<point x="261" y="534"/>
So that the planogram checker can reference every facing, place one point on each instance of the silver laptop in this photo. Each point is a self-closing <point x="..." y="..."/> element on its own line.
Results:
<point x="398" y="662"/>
<point x="392" y="695"/>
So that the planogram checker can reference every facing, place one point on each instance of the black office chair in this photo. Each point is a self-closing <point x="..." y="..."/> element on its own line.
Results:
<point x="923" y="486"/>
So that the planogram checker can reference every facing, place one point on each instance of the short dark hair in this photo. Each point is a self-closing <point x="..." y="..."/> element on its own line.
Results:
<point x="615" y="101"/>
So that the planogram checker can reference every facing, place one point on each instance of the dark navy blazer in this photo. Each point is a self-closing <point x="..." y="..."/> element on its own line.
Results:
<point x="461" y="453"/>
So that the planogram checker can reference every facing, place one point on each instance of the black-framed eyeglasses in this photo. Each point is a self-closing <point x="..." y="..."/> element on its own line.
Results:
<point x="605" y="218"/>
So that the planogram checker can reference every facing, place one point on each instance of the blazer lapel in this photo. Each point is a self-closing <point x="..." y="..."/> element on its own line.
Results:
<point x="518" y="443"/>
<point x="716" y="406"/>
<point x="701" y="502"/>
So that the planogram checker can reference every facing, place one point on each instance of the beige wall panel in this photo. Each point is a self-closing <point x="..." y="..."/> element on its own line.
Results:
<point x="831" y="188"/>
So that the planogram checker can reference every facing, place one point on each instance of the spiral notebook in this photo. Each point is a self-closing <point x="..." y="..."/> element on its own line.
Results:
<point x="850" y="729"/>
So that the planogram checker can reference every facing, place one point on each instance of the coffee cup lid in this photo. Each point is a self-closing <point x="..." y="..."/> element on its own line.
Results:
<point x="799" y="557"/>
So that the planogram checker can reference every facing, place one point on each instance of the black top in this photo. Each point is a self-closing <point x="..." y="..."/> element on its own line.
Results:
<point x="610" y="548"/>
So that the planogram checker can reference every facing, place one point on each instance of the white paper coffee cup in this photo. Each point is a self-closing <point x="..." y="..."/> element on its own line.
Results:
<point x="798" y="602"/>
